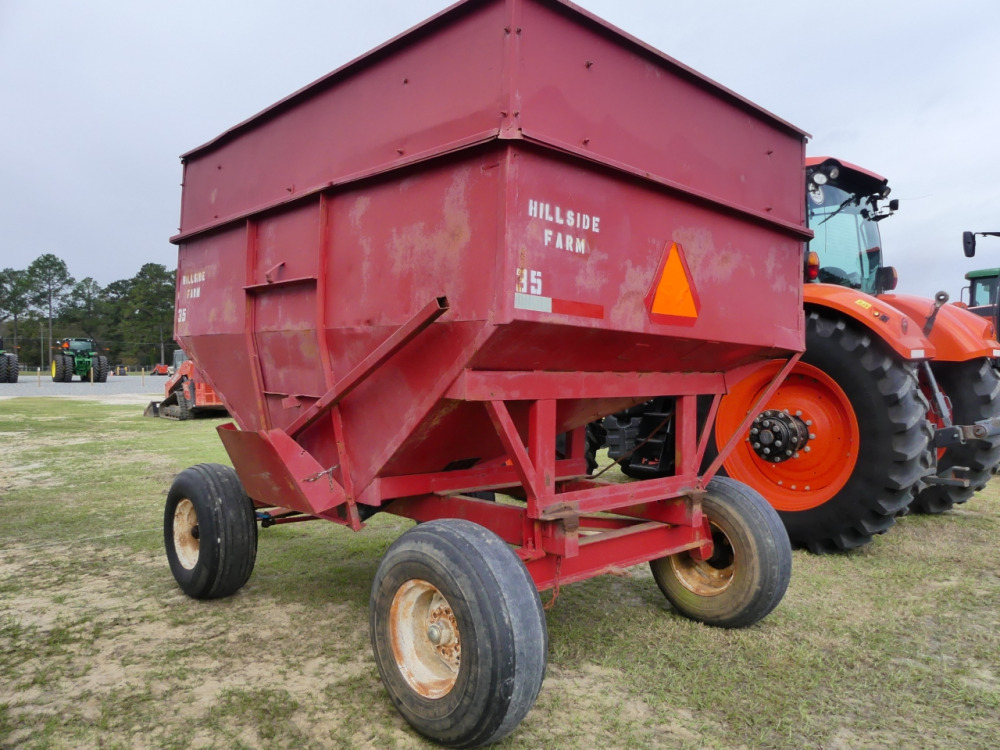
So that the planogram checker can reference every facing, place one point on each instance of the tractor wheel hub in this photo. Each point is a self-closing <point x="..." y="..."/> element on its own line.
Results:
<point x="778" y="436"/>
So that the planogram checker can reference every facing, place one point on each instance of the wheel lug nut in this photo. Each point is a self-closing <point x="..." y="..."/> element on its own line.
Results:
<point x="767" y="451"/>
<point x="812" y="435"/>
<point x="756" y="446"/>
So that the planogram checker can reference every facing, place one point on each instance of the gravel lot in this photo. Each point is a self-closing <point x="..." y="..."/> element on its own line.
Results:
<point x="119" y="388"/>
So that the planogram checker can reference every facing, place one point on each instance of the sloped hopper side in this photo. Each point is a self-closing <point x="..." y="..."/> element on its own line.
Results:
<point x="584" y="204"/>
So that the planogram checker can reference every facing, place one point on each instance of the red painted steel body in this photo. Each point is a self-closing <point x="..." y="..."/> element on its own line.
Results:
<point x="407" y="278"/>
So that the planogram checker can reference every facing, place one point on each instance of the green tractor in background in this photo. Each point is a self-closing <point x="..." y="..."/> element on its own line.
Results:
<point x="79" y="357"/>
<point x="9" y="369"/>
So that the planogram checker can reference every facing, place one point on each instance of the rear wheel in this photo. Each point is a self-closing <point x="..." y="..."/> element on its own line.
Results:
<point x="13" y="368"/>
<point x="847" y="434"/>
<point x="750" y="566"/>
<point x="972" y="388"/>
<point x="458" y="632"/>
<point x="596" y="436"/>
<point x="101" y="369"/>
<point x="210" y="531"/>
<point x="4" y="365"/>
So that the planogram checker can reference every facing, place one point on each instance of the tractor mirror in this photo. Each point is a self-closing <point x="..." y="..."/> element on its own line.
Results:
<point x="894" y="204"/>
<point x="969" y="244"/>
<point x="887" y="278"/>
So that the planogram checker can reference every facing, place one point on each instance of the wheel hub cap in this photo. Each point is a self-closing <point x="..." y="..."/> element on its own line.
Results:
<point x="425" y="638"/>
<point x="778" y="436"/>
<point x="186" y="534"/>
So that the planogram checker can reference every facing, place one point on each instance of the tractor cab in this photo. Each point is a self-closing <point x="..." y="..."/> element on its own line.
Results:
<point x="844" y="204"/>
<point x="78" y="345"/>
<point x="982" y="290"/>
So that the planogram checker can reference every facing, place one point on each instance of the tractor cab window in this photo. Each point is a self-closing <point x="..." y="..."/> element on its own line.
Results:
<point x="983" y="292"/>
<point x="80" y="346"/>
<point x="847" y="242"/>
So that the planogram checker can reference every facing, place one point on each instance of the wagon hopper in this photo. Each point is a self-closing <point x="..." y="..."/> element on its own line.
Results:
<point x="408" y="278"/>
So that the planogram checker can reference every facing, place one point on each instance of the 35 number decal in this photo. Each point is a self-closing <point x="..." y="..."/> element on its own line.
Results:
<point x="528" y="281"/>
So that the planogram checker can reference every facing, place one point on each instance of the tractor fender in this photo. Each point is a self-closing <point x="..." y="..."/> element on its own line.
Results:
<point x="957" y="334"/>
<point x="901" y="333"/>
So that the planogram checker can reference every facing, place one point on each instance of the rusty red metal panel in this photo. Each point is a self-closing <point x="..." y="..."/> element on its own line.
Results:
<point x="614" y="99"/>
<point x="430" y="91"/>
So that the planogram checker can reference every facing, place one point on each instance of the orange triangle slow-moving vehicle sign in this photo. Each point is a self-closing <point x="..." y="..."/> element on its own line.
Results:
<point x="673" y="298"/>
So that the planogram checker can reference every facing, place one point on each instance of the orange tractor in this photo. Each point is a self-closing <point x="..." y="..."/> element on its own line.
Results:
<point x="893" y="407"/>
<point x="186" y="394"/>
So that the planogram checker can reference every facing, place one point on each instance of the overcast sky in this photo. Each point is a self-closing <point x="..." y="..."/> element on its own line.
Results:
<point x="99" y="99"/>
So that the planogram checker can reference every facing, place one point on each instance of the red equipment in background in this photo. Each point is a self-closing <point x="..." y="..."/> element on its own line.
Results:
<point x="187" y="394"/>
<point x="409" y="277"/>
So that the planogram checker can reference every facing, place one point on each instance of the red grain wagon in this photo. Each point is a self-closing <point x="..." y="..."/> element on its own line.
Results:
<point x="423" y="275"/>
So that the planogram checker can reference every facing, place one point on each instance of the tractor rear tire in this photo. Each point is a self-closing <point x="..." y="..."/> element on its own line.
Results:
<point x="458" y="632"/>
<point x="596" y="436"/>
<point x="4" y="364"/>
<point x="101" y="369"/>
<point x="866" y="407"/>
<point x="210" y="532"/>
<point x="750" y="567"/>
<point x="973" y="388"/>
<point x="13" y="368"/>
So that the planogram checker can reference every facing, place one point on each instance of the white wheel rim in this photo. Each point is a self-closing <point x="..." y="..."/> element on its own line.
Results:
<point x="425" y="639"/>
<point x="186" y="543"/>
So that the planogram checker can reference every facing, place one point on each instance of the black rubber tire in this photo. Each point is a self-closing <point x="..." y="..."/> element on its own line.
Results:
<point x="500" y="625"/>
<point x="596" y="436"/>
<point x="13" y="368"/>
<point x="749" y="570"/>
<point x="211" y="554"/>
<point x="68" y="365"/>
<point x="58" y="368"/>
<point x="973" y="388"/>
<point x="894" y="434"/>
<point x="101" y="369"/>
<point x="4" y="364"/>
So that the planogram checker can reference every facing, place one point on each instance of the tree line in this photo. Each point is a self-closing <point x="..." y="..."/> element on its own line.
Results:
<point x="131" y="319"/>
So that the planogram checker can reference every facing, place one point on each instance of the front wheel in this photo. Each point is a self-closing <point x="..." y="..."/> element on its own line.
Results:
<point x="210" y="532"/>
<point x="458" y="632"/>
<point x="750" y="566"/>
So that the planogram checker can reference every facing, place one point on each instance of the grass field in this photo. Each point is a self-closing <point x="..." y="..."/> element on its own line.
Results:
<point x="896" y="645"/>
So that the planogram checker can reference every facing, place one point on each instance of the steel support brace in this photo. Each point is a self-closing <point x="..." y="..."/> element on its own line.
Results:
<point x="511" y="440"/>
<point x="404" y="335"/>
<point x="741" y="431"/>
<point x="613" y="550"/>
